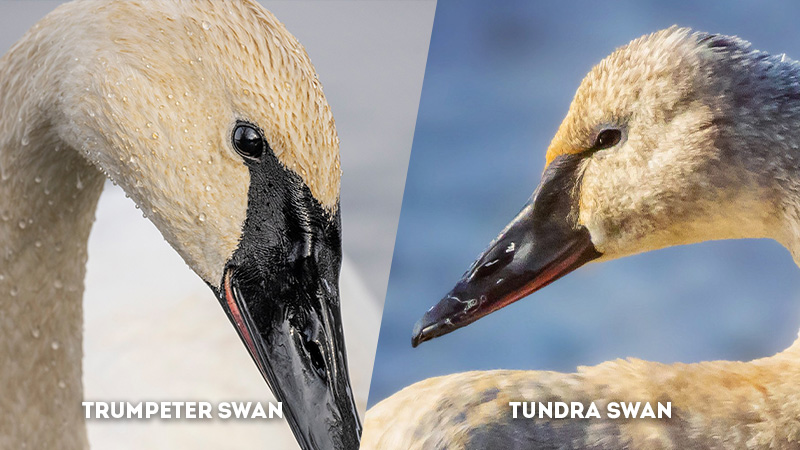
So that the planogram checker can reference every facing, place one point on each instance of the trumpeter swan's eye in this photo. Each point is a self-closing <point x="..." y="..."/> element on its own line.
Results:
<point x="607" y="138"/>
<point x="248" y="140"/>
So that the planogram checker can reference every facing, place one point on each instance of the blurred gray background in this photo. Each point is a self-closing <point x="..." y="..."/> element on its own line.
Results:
<point x="499" y="79"/>
<point x="153" y="329"/>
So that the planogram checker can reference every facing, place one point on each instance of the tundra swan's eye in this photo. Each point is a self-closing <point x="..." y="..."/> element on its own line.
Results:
<point x="607" y="138"/>
<point x="248" y="140"/>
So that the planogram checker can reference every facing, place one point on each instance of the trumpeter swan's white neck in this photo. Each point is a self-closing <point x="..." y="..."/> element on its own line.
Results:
<point x="677" y="137"/>
<point x="85" y="95"/>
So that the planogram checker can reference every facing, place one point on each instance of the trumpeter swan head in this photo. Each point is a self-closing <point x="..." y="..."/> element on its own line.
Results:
<point x="156" y="102"/>
<point x="210" y="116"/>
<point x="663" y="145"/>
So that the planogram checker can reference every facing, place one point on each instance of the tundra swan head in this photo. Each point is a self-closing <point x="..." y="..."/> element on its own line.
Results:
<point x="664" y="144"/>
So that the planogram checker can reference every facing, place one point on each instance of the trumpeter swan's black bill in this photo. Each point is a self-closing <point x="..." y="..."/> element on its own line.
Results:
<point x="299" y="348"/>
<point x="280" y="290"/>
<point x="541" y="244"/>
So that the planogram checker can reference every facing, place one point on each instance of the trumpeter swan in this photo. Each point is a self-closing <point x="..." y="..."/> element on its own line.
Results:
<point x="676" y="138"/>
<point x="209" y="115"/>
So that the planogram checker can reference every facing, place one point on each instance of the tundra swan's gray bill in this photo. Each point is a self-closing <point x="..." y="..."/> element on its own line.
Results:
<point x="210" y="116"/>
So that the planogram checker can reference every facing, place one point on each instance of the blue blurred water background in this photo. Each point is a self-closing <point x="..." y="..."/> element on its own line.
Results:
<point x="499" y="79"/>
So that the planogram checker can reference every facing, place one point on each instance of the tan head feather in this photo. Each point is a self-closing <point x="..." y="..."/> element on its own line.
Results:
<point x="697" y="114"/>
<point x="266" y="73"/>
<point x="151" y="91"/>
<point x="655" y="70"/>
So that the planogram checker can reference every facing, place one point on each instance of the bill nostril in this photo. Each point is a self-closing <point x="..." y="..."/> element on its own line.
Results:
<point x="315" y="355"/>
<point x="495" y="260"/>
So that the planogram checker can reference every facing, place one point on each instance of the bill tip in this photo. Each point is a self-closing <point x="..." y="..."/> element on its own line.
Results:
<point x="417" y="335"/>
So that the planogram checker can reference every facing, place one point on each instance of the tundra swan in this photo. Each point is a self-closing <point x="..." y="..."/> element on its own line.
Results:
<point x="210" y="116"/>
<point x="676" y="138"/>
